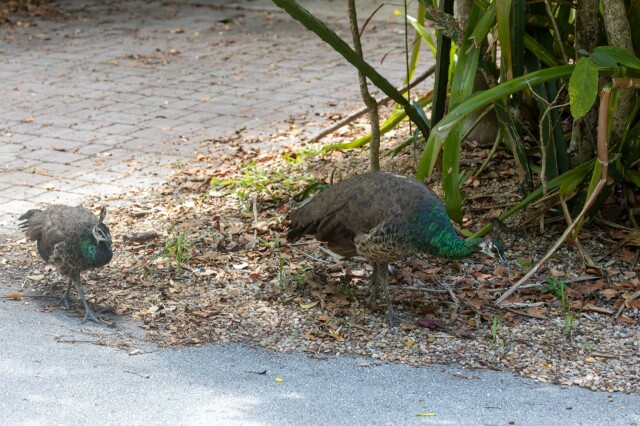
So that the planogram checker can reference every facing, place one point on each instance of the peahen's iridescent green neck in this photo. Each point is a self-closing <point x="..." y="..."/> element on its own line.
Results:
<point x="94" y="253"/>
<point x="437" y="236"/>
<point x="88" y="247"/>
<point x="454" y="247"/>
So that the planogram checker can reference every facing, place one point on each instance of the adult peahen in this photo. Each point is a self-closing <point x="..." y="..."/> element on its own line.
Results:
<point x="73" y="239"/>
<point x="383" y="217"/>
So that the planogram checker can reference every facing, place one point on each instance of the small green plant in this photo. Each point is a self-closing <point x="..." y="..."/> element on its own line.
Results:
<point x="588" y="347"/>
<point x="496" y="325"/>
<point x="275" y="183"/>
<point x="559" y="289"/>
<point x="178" y="249"/>
<point x="524" y="263"/>
<point x="555" y="287"/>
<point x="314" y="150"/>
<point x="282" y="273"/>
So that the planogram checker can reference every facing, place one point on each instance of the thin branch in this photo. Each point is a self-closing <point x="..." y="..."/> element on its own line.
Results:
<point x="525" y="314"/>
<point x="364" y="110"/>
<point x="556" y="31"/>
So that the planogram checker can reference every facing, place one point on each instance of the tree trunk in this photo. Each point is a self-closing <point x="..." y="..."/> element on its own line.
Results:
<point x="369" y="101"/>
<point x="583" y="136"/>
<point x="618" y="32"/>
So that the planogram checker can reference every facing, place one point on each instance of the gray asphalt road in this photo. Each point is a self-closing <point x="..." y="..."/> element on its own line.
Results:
<point x="53" y="370"/>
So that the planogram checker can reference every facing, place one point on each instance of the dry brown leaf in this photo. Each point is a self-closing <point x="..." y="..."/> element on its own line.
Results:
<point x="609" y="293"/>
<point x="309" y="305"/>
<point x="14" y="296"/>
<point x="38" y="277"/>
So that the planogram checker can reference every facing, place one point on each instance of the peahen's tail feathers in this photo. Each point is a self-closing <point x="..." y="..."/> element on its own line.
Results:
<point x="25" y="218"/>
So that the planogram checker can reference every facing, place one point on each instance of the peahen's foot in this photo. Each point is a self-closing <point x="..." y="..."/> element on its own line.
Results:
<point x="397" y="319"/>
<point x="89" y="315"/>
<point x="383" y="277"/>
<point x="65" y="299"/>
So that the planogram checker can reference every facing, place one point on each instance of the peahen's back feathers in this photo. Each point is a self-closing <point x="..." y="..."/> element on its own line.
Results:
<point x="381" y="216"/>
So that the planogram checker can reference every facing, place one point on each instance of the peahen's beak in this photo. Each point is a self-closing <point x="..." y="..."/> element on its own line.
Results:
<point x="493" y="248"/>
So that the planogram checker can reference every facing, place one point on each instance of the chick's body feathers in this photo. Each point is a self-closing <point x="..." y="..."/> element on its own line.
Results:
<point x="65" y="237"/>
<point x="72" y="239"/>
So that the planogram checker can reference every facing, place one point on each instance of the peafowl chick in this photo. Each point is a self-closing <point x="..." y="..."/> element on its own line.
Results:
<point x="383" y="217"/>
<point x="73" y="239"/>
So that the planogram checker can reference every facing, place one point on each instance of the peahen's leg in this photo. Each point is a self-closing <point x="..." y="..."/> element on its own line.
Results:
<point x="383" y="276"/>
<point x="89" y="315"/>
<point x="375" y="283"/>
<point x="65" y="299"/>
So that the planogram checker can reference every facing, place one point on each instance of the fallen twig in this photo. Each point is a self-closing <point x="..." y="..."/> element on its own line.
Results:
<point x="525" y="314"/>
<point x="144" y="376"/>
<point x="309" y="256"/>
<point x="140" y="238"/>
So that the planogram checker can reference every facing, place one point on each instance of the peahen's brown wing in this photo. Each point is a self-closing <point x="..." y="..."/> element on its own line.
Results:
<point x="356" y="206"/>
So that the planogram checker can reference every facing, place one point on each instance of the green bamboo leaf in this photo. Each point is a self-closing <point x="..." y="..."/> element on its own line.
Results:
<point x="570" y="180"/>
<point x="595" y="178"/>
<point x="415" y="49"/>
<point x="552" y="185"/>
<point x="619" y="54"/>
<point x="452" y="196"/>
<point x="602" y="59"/>
<point x="632" y="177"/>
<point x="477" y="101"/>
<point x="518" y="32"/>
<point x="389" y="124"/>
<point x="424" y="33"/>
<point x="483" y="25"/>
<point x="461" y="88"/>
<point x="538" y="49"/>
<point x="583" y="87"/>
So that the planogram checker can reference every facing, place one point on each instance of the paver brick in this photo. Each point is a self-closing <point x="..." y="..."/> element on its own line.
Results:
<point x="62" y="197"/>
<point x="54" y="156"/>
<point x="21" y="192"/>
<point x="19" y="178"/>
<point x="98" y="188"/>
<point x="118" y="120"/>
<point x="36" y="142"/>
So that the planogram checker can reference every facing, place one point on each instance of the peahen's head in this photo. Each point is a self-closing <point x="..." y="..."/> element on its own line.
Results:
<point x="101" y="231"/>
<point x="492" y="247"/>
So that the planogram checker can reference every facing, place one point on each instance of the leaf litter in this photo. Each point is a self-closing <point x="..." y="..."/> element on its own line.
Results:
<point x="203" y="258"/>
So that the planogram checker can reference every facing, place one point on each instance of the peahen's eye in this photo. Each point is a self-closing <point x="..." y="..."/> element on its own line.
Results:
<point x="101" y="235"/>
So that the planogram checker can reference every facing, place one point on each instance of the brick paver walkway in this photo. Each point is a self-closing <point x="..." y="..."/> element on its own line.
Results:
<point x="112" y="95"/>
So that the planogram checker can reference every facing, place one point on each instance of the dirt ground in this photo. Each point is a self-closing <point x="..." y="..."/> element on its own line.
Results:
<point x="203" y="258"/>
